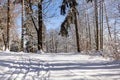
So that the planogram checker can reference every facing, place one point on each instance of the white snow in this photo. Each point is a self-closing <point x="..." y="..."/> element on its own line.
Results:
<point x="64" y="66"/>
<point x="40" y="52"/>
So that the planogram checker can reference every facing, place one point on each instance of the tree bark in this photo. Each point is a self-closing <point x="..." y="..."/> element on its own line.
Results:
<point x="4" y="41"/>
<point x="22" y="33"/>
<point x="77" y="33"/>
<point x="40" y="23"/>
<point x="101" y="25"/>
<point x="109" y="31"/>
<point x="115" y="36"/>
<point x="8" y="25"/>
<point x="89" y="33"/>
<point x="39" y="29"/>
<point x="96" y="21"/>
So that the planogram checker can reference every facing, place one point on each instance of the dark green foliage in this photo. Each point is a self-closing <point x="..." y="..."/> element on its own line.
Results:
<point x="69" y="18"/>
<point x="63" y="8"/>
<point x="72" y="3"/>
<point x="14" y="46"/>
<point x="66" y="24"/>
<point x="67" y="3"/>
<point x="89" y="1"/>
<point x="28" y="46"/>
<point x="63" y="30"/>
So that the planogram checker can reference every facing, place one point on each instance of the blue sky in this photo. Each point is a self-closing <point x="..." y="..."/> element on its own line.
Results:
<point x="50" y="23"/>
<point x="54" y="9"/>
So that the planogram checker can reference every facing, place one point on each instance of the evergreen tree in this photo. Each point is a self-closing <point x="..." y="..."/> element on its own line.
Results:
<point x="73" y="15"/>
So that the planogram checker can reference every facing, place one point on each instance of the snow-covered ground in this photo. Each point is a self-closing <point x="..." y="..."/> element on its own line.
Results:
<point x="26" y="66"/>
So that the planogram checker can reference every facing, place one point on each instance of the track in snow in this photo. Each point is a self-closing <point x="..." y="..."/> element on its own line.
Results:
<point x="23" y="66"/>
<point x="24" y="69"/>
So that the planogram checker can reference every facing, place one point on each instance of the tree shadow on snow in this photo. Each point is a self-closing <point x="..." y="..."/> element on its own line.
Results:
<point x="26" y="67"/>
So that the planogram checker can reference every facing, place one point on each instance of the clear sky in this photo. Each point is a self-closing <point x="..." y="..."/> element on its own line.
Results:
<point x="52" y="22"/>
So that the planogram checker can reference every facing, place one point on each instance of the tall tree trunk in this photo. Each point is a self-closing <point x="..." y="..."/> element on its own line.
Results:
<point x="39" y="29"/>
<point x="101" y="25"/>
<point x="40" y="23"/>
<point x="56" y="46"/>
<point x="53" y="48"/>
<point x="109" y="31"/>
<point x="89" y="32"/>
<point x="86" y="31"/>
<point x="4" y="42"/>
<point x="77" y="33"/>
<point x="22" y="33"/>
<point x="97" y="29"/>
<point x="8" y="25"/>
<point x="115" y="36"/>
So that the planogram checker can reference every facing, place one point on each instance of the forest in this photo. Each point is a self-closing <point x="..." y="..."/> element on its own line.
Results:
<point x="59" y="39"/>
<point x="87" y="26"/>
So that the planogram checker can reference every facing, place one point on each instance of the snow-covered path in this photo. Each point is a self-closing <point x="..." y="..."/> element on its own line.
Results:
<point x="24" y="66"/>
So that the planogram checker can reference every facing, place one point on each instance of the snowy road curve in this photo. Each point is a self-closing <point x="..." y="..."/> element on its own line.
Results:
<point x="24" y="66"/>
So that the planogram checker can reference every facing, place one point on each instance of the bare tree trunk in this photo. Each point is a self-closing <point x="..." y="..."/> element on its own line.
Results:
<point x="22" y="33"/>
<point x="56" y="46"/>
<point x="107" y="22"/>
<point x="97" y="29"/>
<point x="115" y="36"/>
<point x="87" y="42"/>
<point x="40" y="23"/>
<point x="101" y="25"/>
<point x="47" y="46"/>
<point x="8" y="25"/>
<point x="88" y="33"/>
<point x="65" y="45"/>
<point x="4" y="41"/>
<point x="53" y="49"/>
<point x="77" y="33"/>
